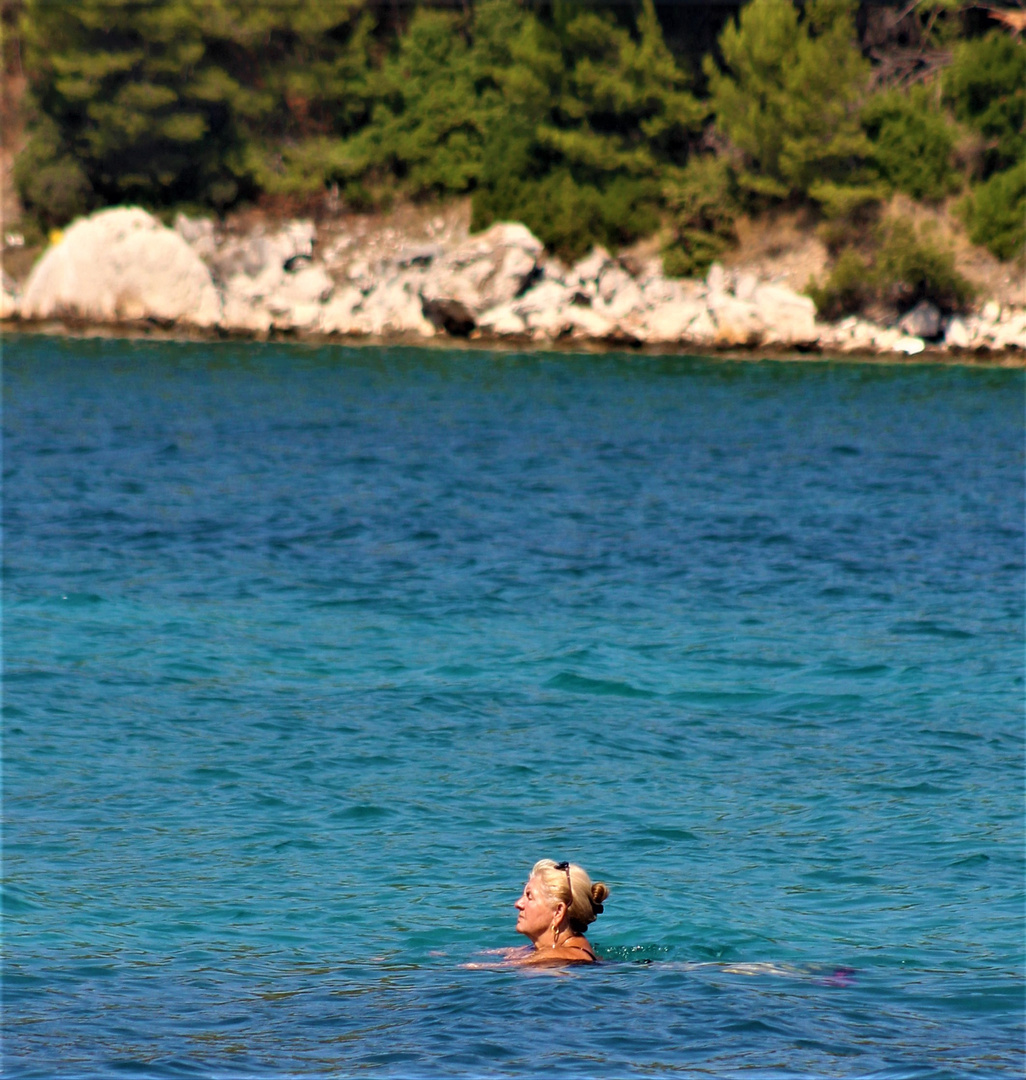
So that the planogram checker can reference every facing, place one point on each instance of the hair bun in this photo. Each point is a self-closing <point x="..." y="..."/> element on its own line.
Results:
<point x="599" y="893"/>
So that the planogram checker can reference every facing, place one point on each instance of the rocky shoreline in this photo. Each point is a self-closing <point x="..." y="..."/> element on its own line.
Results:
<point x="122" y="268"/>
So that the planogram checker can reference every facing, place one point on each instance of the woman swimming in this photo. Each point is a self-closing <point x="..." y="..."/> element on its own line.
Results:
<point x="557" y="905"/>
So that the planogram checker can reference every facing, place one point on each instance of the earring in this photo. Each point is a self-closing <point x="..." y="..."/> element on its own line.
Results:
<point x="555" y="934"/>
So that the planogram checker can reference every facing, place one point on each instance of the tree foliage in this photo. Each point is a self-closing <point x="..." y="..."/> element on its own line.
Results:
<point x="572" y="116"/>
<point x="788" y="98"/>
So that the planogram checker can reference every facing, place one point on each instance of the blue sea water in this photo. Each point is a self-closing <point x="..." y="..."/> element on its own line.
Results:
<point x="309" y="653"/>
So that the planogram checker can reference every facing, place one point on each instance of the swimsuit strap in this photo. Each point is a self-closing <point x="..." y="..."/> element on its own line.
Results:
<point x="581" y="948"/>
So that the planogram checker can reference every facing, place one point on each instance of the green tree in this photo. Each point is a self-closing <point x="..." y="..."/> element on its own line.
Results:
<point x="788" y="99"/>
<point x="986" y="87"/>
<point x="913" y="141"/>
<point x="164" y="101"/>
<point x="597" y="113"/>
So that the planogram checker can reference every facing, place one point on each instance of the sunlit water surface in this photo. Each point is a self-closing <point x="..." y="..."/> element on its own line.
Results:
<point x="310" y="653"/>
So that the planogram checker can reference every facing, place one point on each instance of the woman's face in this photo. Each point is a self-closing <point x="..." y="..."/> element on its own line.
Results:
<point x="534" y="910"/>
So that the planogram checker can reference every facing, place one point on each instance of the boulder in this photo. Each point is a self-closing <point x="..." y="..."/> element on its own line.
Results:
<point x="198" y="233"/>
<point x="1010" y="333"/>
<point x="737" y="321"/>
<point x="545" y="296"/>
<point x="486" y="270"/>
<point x="259" y="252"/>
<point x="589" y="269"/>
<point x="956" y="334"/>
<point x="337" y="314"/>
<point x="746" y="286"/>
<point x="717" y="279"/>
<point x="668" y="323"/>
<point x="502" y="321"/>
<point x="627" y="300"/>
<point x="590" y="325"/>
<point x="788" y="317"/>
<point x="309" y="284"/>
<point x="923" y="321"/>
<point x="394" y="307"/>
<point x="702" y="329"/>
<point x="452" y="316"/>
<point x="909" y="345"/>
<point x="119" y="265"/>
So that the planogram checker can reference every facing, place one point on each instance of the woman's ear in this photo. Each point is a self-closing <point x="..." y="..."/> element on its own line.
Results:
<point x="559" y="911"/>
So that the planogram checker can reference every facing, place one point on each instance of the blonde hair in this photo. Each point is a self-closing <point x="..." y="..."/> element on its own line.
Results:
<point x="583" y="899"/>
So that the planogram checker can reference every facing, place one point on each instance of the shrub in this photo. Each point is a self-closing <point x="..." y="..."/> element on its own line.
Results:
<point x="847" y="290"/>
<point x="910" y="268"/>
<point x="912" y="142"/>
<point x="701" y="207"/>
<point x="897" y="268"/>
<point x="986" y="86"/>
<point x="995" y="212"/>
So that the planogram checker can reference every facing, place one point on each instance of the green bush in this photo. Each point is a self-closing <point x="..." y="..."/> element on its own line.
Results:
<point x="701" y="204"/>
<point x="788" y="100"/>
<point x="896" y="268"/>
<point x="848" y="288"/>
<point x="995" y="213"/>
<point x="910" y="268"/>
<point x="985" y="85"/>
<point x="912" y="142"/>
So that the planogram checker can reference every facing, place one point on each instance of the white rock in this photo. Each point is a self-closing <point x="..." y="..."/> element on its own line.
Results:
<point x="261" y="251"/>
<point x="119" y="264"/>
<point x="957" y="335"/>
<point x="660" y="291"/>
<point x="550" y="323"/>
<point x="909" y="345"/>
<point x="337" y="314"/>
<point x="737" y="321"/>
<point x="788" y="317"/>
<point x="586" y="323"/>
<point x="1011" y="334"/>
<point x="885" y="339"/>
<point x="668" y="323"/>
<point x="502" y="321"/>
<point x="486" y="270"/>
<point x="717" y="279"/>
<point x="613" y="280"/>
<point x="590" y="268"/>
<point x="310" y="285"/>
<point x="702" y="329"/>
<point x="745" y="287"/>
<point x="243" y="316"/>
<point x="627" y="300"/>
<point x="991" y="311"/>
<point x="395" y="307"/>
<point x="198" y="233"/>
<point x="545" y="296"/>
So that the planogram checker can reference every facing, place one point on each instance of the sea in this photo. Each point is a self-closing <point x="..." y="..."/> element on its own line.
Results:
<point x="309" y="652"/>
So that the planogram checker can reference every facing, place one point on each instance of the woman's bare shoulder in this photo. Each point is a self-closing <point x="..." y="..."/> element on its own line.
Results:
<point x="570" y="953"/>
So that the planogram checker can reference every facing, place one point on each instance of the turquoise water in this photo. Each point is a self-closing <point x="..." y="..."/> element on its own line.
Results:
<point x="309" y="653"/>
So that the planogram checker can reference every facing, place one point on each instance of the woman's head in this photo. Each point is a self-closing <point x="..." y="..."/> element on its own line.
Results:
<point x="569" y="884"/>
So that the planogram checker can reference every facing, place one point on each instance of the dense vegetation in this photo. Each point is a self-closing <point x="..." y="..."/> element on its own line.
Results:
<point x="573" y="117"/>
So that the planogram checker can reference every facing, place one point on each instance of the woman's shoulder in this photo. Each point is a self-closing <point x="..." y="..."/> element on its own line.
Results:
<point x="575" y="951"/>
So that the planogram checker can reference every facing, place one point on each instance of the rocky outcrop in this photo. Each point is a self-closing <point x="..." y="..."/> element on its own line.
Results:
<point x="122" y="265"/>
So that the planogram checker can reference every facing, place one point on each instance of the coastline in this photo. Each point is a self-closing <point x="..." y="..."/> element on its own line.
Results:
<point x="428" y="280"/>
<point x="125" y="331"/>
